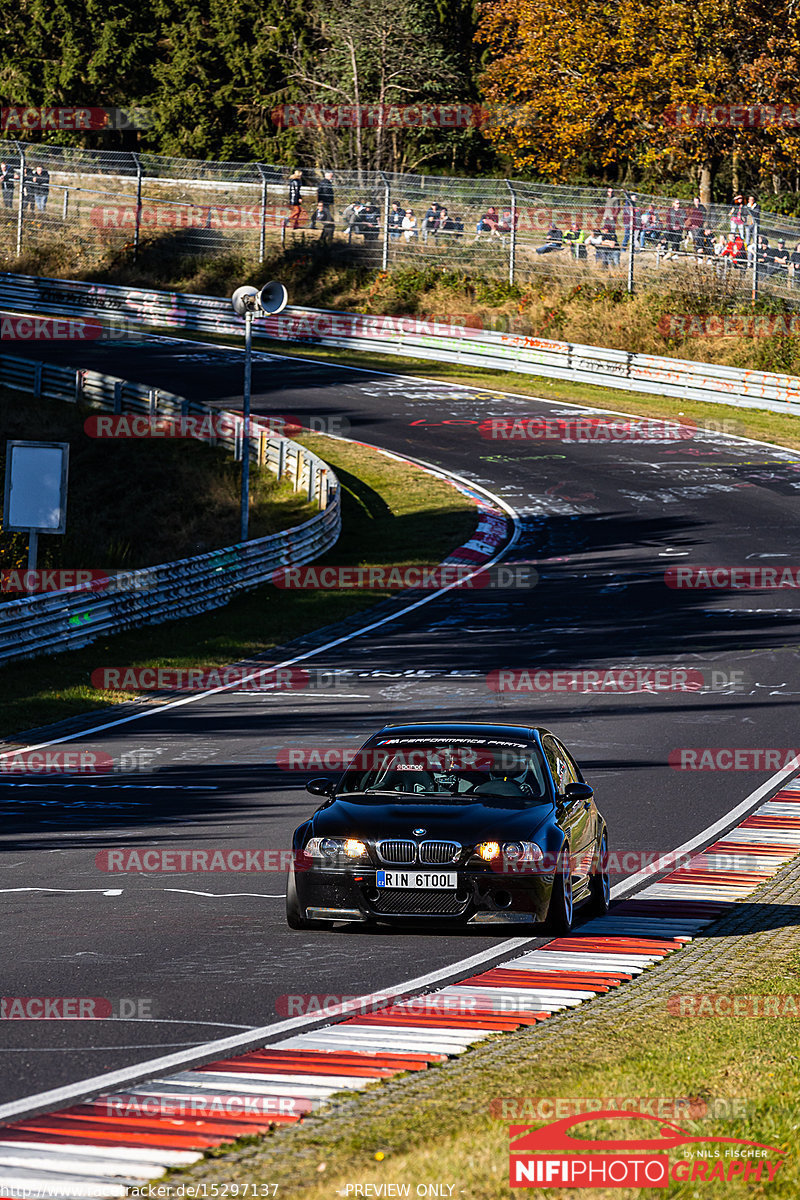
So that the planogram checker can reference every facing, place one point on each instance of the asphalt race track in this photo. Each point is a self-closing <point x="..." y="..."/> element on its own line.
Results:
<point x="198" y="956"/>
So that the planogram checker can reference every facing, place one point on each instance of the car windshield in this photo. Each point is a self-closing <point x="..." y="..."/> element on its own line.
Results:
<point x="452" y="771"/>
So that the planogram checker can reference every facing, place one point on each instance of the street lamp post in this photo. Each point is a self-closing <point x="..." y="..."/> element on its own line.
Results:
<point x="248" y="302"/>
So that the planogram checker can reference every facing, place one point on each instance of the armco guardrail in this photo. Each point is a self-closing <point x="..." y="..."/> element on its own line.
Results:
<point x="69" y="619"/>
<point x="414" y="338"/>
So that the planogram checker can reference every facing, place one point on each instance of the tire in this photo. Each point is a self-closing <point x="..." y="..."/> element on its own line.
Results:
<point x="560" y="909"/>
<point x="599" y="882"/>
<point x="294" y="913"/>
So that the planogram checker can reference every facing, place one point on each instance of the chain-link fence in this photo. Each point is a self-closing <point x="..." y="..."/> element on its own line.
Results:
<point x="91" y="202"/>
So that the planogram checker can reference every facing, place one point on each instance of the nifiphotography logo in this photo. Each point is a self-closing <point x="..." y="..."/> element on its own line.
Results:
<point x="550" y="1157"/>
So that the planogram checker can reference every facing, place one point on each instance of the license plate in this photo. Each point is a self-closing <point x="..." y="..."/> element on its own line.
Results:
<point x="418" y="879"/>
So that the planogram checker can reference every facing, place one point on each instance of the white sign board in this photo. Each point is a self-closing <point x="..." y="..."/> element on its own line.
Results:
<point x="36" y="486"/>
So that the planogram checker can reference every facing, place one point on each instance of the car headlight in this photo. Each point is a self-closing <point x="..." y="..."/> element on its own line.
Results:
<point x="488" y="851"/>
<point x="522" y="852"/>
<point x="512" y="853"/>
<point x="335" y="849"/>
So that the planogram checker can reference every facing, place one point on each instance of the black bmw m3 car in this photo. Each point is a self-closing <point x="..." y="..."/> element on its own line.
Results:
<point x="441" y="824"/>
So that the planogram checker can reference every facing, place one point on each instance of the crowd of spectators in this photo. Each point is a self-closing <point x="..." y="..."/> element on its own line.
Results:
<point x="35" y="184"/>
<point x="679" y="230"/>
<point x="365" y="218"/>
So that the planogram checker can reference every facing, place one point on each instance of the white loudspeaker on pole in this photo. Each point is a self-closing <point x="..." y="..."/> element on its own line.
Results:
<point x="248" y="302"/>
<point x="273" y="297"/>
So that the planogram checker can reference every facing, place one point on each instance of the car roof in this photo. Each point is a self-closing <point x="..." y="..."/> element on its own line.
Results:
<point x="464" y="728"/>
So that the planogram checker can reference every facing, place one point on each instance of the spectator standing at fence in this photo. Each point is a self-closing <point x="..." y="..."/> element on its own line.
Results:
<point x="676" y="218"/>
<point x="695" y="222"/>
<point x="41" y="188"/>
<point x="7" y="184"/>
<point x="325" y="190"/>
<point x="295" y="202"/>
<point x="409" y="225"/>
<point x="396" y="220"/>
<point x="611" y="210"/>
<point x="737" y="216"/>
<point x="753" y="219"/>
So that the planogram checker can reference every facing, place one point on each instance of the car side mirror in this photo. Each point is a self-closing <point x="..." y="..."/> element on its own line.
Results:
<point x="578" y="791"/>
<point x="323" y="786"/>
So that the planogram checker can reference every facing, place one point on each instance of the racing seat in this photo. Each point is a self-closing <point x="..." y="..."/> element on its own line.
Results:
<point x="407" y="781"/>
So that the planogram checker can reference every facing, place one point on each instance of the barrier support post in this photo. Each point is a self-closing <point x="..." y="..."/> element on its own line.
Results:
<point x="755" y="261"/>
<point x="20" y="210"/>
<point x="263" y="232"/>
<point x="138" y="225"/>
<point x="385" y="253"/>
<point x="631" y="238"/>
<point x="512" y="251"/>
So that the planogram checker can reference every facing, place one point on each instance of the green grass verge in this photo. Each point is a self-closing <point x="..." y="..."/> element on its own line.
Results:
<point x="748" y="1067"/>
<point x="135" y="503"/>
<point x="390" y="511"/>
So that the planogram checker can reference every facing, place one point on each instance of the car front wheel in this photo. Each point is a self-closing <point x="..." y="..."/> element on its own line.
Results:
<point x="295" y="916"/>
<point x="560" y="909"/>
<point x="599" y="881"/>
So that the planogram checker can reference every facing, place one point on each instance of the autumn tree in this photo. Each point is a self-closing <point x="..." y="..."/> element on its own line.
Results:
<point x="627" y="87"/>
<point x="374" y="53"/>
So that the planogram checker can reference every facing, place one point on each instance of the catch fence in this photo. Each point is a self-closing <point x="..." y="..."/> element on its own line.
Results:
<point x="96" y="202"/>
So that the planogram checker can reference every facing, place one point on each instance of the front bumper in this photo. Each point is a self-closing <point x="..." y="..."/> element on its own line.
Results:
<point x="480" y="898"/>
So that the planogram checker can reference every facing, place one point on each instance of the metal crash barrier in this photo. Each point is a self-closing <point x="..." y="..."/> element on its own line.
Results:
<point x="412" y="337"/>
<point x="65" y="620"/>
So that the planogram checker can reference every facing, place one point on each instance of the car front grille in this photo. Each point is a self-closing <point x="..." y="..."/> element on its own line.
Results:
<point x="431" y="853"/>
<point x="439" y="852"/>
<point x="397" y="852"/>
<point x="424" y="903"/>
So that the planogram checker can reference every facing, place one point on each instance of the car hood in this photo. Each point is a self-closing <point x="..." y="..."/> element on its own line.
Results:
<point x="482" y="820"/>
